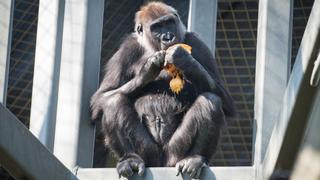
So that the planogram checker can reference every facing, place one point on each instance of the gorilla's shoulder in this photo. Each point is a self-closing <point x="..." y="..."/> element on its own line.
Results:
<point x="191" y="34"/>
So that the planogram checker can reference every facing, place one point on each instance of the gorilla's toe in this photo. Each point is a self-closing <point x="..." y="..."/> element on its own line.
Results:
<point x="192" y="166"/>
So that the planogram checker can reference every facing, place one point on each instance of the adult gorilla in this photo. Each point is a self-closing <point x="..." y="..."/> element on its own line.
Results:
<point x="143" y="121"/>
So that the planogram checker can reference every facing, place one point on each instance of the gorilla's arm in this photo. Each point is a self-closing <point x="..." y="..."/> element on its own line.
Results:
<point x="200" y="69"/>
<point x="126" y="73"/>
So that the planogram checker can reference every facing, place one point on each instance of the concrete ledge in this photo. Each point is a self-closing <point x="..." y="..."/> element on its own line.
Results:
<point x="212" y="173"/>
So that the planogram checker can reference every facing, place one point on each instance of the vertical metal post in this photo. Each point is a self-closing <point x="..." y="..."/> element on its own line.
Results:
<point x="272" y="68"/>
<point x="6" y="18"/>
<point x="203" y="20"/>
<point x="79" y="72"/>
<point x="46" y="71"/>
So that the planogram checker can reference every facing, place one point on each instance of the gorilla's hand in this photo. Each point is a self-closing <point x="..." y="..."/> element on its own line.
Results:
<point x="179" y="57"/>
<point x="191" y="165"/>
<point x="152" y="67"/>
<point x="130" y="164"/>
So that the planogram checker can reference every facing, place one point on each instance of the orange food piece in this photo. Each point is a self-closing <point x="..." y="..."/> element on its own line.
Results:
<point x="177" y="82"/>
<point x="184" y="46"/>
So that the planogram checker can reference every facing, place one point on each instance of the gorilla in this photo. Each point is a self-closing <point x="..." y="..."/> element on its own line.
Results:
<point x="143" y="121"/>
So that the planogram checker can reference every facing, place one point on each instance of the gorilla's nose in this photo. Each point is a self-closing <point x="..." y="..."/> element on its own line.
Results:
<point x="167" y="37"/>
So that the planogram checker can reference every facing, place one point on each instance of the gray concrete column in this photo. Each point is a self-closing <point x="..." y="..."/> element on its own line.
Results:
<point x="79" y="72"/>
<point x="272" y="68"/>
<point x="203" y="20"/>
<point x="46" y="71"/>
<point x="6" y="18"/>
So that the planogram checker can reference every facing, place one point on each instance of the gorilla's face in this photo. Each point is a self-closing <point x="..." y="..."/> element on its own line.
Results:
<point x="163" y="32"/>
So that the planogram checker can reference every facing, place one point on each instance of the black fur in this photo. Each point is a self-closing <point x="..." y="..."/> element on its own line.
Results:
<point x="144" y="122"/>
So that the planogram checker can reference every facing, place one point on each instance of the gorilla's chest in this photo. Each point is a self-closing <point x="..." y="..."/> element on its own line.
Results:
<point x="161" y="86"/>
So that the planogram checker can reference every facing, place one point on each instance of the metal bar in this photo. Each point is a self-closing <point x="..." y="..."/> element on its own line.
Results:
<point x="272" y="69"/>
<point x="6" y="18"/>
<point x="221" y="173"/>
<point x="23" y="155"/>
<point x="79" y="75"/>
<point x="203" y="20"/>
<point x="297" y="102"/>
<point x="46" y="71"/>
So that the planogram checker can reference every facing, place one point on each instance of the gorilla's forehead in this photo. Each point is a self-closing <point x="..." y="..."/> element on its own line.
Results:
<point x="153" y="11"/>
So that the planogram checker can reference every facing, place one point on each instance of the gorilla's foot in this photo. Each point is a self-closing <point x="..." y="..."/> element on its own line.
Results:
<point x="191" y="165"/>
<point x="130" y="164"/>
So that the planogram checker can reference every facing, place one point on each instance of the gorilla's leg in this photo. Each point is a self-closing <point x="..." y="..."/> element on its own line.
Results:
<point x="125" y="135"/>
<point x="195" y="140"/>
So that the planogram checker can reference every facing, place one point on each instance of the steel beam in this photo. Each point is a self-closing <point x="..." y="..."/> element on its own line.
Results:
<point x="6" y="18"/>
<point x="214" y="173"/>
<point x="79" y="75"/>
<point x="23" y="155"/>
<point x="297" y="102"/>
<point x="203" y="20"/>
<point x="307" y="165"/>
<point x="272" y="69"/>
<point x="46" y="71"/>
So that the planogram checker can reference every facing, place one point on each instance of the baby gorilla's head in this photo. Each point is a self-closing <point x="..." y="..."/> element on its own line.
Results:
<point x="161" y="115"/>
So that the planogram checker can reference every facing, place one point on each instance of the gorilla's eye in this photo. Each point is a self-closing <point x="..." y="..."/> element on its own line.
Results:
<point x="156" y="27"/>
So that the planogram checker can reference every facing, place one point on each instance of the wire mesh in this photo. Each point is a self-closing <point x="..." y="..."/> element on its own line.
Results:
<point x="22" y="58"/>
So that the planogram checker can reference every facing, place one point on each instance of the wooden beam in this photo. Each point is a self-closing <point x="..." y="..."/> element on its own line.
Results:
<point x="23" y="155"/>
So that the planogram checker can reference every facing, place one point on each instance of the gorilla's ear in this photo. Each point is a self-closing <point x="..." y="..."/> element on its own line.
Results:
<point x="139" y="29"/>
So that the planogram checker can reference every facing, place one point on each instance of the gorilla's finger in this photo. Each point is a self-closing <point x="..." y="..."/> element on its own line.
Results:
<point x="197" y="176"/>
<point x="179" y="167"/>
<point x="127" y="172"/>
<point x="193" y="173"/>
<point x="190" y="169"/>
<point x="184" y="169"/>
<point x="141" y="169"/>
<point x="134" y="165"/>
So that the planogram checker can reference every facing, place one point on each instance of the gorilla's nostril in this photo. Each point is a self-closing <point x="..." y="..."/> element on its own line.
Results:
<point x="167" y="37"/>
